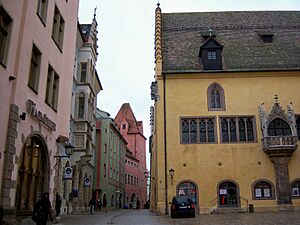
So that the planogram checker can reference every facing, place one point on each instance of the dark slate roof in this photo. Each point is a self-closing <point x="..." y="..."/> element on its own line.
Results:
<point x="85" y="29"/>
<point x="238" y="33"/>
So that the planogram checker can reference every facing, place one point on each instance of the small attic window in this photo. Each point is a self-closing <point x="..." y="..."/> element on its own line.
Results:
<point x="267" y="37"/>
<point x="211" y="55"/>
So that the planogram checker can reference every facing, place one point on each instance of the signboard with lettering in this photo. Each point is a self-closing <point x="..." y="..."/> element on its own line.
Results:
<point x="38" y="115"/>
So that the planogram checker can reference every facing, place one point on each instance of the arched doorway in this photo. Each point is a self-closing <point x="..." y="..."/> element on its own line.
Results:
<point x="228" y="194"/>
<point x="33" y="173"/>
<point x="132" y="204"/>
<point x="188" y="188"/>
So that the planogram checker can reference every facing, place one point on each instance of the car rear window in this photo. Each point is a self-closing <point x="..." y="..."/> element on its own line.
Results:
<point x="182" y="199"/>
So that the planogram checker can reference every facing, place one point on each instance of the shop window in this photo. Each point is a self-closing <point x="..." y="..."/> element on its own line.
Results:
<point x="296" y="189"/>
<point x="263" y="190"/>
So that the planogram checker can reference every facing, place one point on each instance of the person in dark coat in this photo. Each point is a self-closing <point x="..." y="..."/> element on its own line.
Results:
<point x="105" y="204"/>
<point x="42" y="210"/>
<point x="99" y="204"/>
<point x="58" y="204"/>
<point x="92" y="205"/>
<point x="138" y="203"/>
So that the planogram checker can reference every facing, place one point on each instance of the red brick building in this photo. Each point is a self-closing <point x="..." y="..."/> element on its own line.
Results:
<point x="135" y="181"/>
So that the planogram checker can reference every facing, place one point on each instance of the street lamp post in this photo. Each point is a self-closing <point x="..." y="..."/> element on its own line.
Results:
<point x="69" y="148"/>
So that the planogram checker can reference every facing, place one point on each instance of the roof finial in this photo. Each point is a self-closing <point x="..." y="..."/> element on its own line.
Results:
<point x="158" y="4"/>
<point x="210" y="31"/>
<point x="95" y="12"/>
<point x="276" y="98"/>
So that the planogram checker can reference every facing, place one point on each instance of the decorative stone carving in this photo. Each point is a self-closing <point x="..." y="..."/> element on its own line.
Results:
<point x="263" y="120"/>
<point x="154" y="91"/>
<point x="279" y="148"/>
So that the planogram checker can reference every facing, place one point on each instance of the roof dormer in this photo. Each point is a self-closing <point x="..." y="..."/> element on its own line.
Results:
<point x="266" y="36"/>
<point x="211" y="54"/>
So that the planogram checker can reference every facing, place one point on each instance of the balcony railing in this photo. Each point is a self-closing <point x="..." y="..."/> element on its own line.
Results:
<point x="278" y="143"/>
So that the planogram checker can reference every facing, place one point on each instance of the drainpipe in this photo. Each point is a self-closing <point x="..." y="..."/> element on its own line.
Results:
<point x="165" y="150"/>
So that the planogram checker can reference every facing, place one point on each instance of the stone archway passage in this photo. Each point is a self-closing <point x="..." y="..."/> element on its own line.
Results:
<point x="32" y="173"/>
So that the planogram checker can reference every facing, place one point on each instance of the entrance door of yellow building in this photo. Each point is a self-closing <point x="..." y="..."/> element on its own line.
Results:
<point x="228" y="194"/>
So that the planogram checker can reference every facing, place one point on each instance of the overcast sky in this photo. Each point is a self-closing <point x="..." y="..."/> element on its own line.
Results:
<point x="126" y="45"/>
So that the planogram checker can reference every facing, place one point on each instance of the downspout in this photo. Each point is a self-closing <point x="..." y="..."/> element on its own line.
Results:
<point x="165" y="149"/>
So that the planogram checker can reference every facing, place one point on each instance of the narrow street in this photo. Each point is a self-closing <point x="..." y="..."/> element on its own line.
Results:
<point x="144" y="217"/>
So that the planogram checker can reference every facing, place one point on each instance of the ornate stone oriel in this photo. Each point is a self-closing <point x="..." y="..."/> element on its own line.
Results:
<point x="279" y="141"/>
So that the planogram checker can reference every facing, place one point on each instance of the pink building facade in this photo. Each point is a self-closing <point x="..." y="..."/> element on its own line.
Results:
<point x="36" y="66"/>
<point x="135" y="181"/>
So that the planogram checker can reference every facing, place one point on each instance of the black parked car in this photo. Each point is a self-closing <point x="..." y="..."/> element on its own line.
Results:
<point x="182" y="205"/>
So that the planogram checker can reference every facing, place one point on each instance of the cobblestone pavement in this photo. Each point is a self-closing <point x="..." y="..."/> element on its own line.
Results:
<point x="144" y="217"/>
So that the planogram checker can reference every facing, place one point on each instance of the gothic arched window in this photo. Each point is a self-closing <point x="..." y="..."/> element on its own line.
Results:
<point x="279" y="127"/>
<point x="215" y="97"/>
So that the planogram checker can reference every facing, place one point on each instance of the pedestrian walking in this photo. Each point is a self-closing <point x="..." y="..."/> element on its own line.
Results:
<point x="42" y="210"/>
<point x="58" y="202"/>
<point x="99" y="204"/>
<point x="92" y="205"/>
<point x="104" y="204"/>
<point x="138" y="203"/>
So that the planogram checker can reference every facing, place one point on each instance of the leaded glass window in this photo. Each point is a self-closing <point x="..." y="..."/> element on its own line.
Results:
<point x="279" y="127"/>
<point x="197" y="130"/>
<point x="215" y="97"/>
<point x="237" y="129"/>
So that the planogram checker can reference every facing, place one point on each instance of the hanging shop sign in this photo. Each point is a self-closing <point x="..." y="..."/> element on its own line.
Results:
<point x="68" y="173"/>
<point x="40" y="116"/>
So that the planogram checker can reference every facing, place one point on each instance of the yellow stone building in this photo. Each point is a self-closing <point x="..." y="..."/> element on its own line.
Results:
<point x="225" y="120"/>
